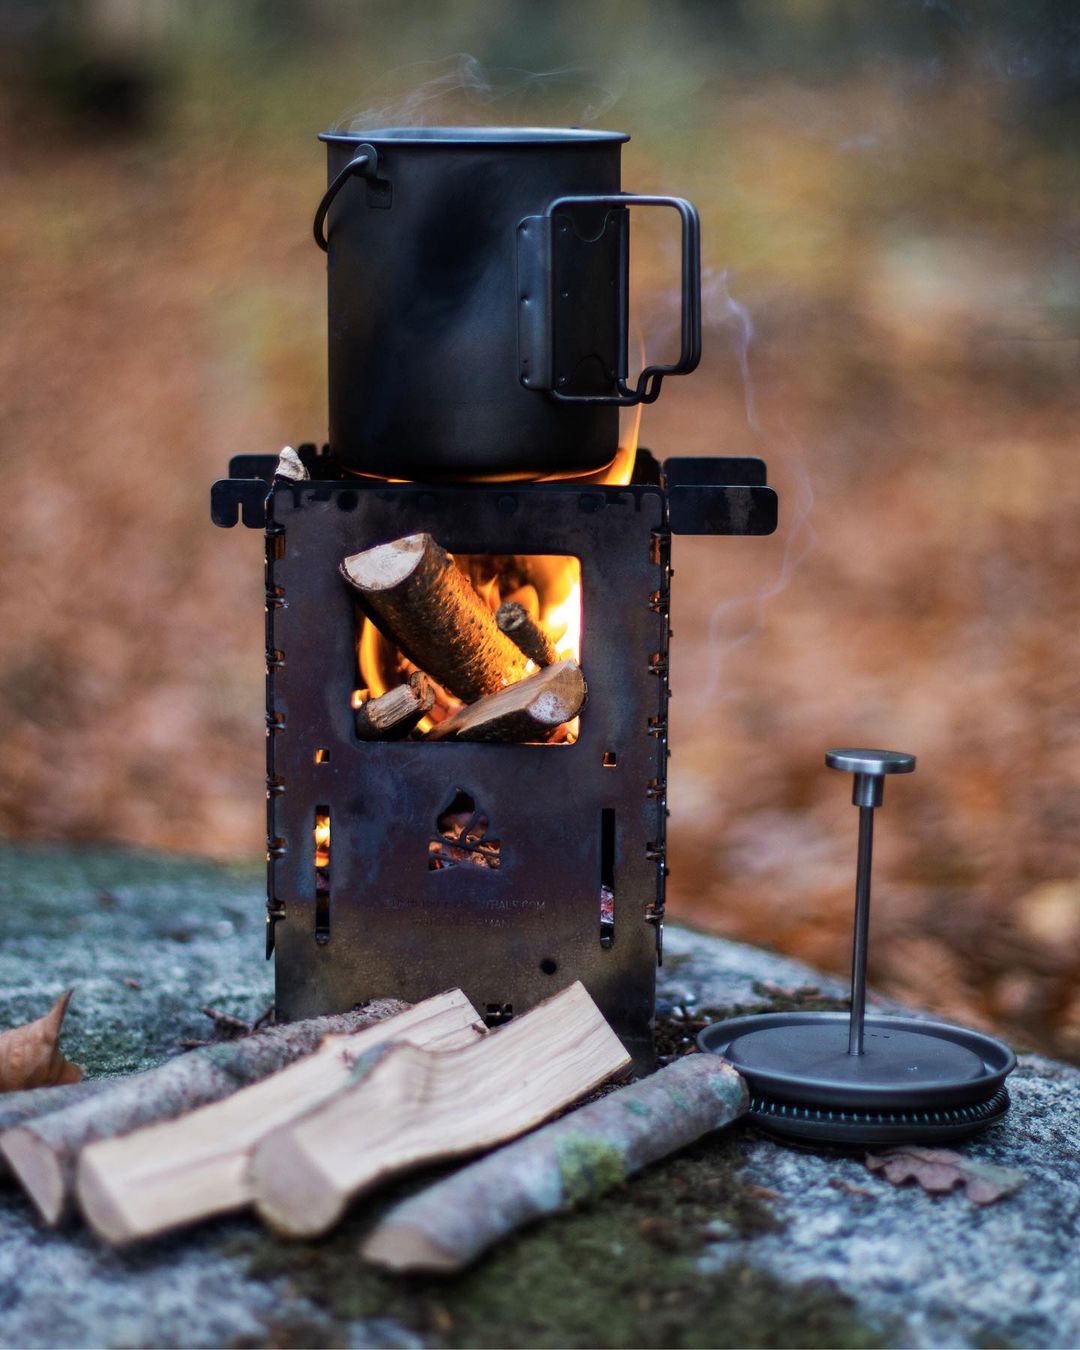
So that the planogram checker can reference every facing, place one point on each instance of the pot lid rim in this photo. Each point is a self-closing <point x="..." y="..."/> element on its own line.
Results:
<point x="479" y="135"/>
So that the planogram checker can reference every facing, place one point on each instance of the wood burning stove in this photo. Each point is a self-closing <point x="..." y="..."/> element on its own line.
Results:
<point x="406" y="866"/>
<point x="580" y="829"/>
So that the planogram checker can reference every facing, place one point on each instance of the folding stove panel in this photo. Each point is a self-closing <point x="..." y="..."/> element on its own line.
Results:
<point x="566" y="816"/>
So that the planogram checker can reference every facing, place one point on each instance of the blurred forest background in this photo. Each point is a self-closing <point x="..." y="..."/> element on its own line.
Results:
<point x="889" y="194"/>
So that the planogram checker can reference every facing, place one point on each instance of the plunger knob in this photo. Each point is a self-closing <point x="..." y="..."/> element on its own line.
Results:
<point x="870" y="768"/>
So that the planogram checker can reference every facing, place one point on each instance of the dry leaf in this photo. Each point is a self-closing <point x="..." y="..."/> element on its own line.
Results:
<point x="30" y="1055"/>
<point x="941" y="1169"/>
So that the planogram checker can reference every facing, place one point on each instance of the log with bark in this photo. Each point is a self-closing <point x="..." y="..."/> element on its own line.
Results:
<point x="576" y="1159"/>
<point x="419" y="599"/>
<point x="16" y="1108"/>
<point x="43" y="1152"/>
<point x="393" y="715"/>
<point x="520" y="627"/>
<point x="180" y="1171"/>
<point x="531" y="710"/>
<point x="415" y="1107"/>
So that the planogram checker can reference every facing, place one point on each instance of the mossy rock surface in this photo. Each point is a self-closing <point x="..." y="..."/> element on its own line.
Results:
<point x="736" y="1241"/>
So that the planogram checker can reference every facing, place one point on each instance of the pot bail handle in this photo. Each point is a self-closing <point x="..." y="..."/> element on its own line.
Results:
<point x="365" y="162"/>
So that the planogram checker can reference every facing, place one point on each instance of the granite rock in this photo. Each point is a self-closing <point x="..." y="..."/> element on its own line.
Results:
<point x="762" y="1244"/>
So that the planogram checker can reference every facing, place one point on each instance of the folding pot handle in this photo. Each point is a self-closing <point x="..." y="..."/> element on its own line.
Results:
<point x="365" y="162"/>
<point x="647" y="389"/>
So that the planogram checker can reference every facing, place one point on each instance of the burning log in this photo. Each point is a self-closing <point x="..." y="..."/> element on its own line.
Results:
<point x="420" y="599"/>
<point x="413" y="1107"/>
<point x="531" y="710"/>
<point x="43" y="1152"/>
<point x="393" y="715"/>
<point x="180" y="1171"/>
<point x="578" y="1158"/>
<point x="515" y="621"/>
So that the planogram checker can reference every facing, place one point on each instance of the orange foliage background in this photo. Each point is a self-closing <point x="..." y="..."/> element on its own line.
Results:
<point x="889" y="203"/>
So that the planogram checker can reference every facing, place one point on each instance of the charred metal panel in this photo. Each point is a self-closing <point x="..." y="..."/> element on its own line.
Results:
<point x="509" y="936"/>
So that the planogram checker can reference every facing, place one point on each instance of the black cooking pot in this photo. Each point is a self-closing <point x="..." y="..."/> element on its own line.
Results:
<point x="478" y="296"/>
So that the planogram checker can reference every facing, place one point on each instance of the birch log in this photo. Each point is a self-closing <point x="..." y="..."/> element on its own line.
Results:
<point x="525" y="632"/>
<point x="531" y="710"/>
<point x="179" y="1171"/>
<point x="576" y="1159"/>
<point x="16" y="1108"/>
<point x="423" y="603"/>
<point x="42" y="1153"/>
<point x="417" y="1107"/>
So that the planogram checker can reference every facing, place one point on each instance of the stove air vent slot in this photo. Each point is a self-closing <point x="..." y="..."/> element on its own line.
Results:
<point x="321" y="835"/>
<point x="607" y="876"/>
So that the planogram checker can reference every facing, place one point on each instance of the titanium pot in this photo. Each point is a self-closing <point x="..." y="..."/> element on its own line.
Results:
<point x="478" y="295"/>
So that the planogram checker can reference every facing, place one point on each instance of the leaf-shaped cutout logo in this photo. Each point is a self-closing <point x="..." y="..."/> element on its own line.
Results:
<point x="462" y="838"/>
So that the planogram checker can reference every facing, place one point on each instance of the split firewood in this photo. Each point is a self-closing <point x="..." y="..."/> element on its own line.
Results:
<point x="417" y="1107"/>
<point x="30" y="1055"/>
<point x="394" y="714"/>
<point x="576" y="1159"/>
<point x="16" y="1108"/>
<point x="291" y="466"/>
<point x="420" y="600"/>
<point x="518" y="625"/>
<point x="531" y="710"/>
<point x="184" y="1170"/>
<point x="42" y="1152"/>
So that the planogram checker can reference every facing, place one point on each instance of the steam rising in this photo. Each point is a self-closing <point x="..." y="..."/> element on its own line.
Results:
<point x="736" y="621"/>
<point x="719" y="306"/>
<point x="459" y="90"/>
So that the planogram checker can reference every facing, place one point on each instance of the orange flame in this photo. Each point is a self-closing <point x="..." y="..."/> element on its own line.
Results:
<point x="552" y="595"/>
<point x="322" y="839"/>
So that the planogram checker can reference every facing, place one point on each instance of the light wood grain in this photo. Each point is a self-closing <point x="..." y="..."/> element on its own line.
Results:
<point x="175" y="1173"/>
<point x="43" y="1152"/>
<point x="578" y="1158"/>
<point x="417" y="1107"/>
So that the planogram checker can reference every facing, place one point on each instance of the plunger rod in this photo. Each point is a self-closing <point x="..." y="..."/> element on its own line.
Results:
<point x="862" y="930"/>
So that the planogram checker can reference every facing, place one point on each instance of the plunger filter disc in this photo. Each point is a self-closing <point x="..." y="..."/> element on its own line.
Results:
<point x="916" y="1081"/>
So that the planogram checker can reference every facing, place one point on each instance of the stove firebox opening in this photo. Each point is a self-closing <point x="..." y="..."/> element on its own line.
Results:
<point x="442" y="649"/>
